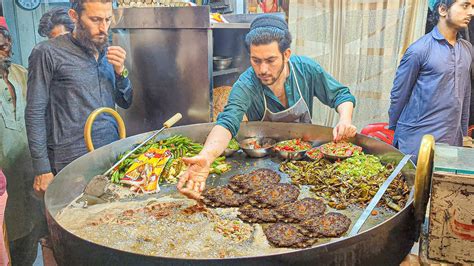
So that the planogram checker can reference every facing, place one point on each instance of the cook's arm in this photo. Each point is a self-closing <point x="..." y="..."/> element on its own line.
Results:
<point x="345" y="110"/>
<point x="328" y="90"/>
<point x="335" y="95"/>
<point x="228" y="122"/>
<point x="216" y="143"/>
<point x="192" y="182"/>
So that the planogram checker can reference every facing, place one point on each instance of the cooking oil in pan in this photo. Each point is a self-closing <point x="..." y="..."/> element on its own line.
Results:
<point x="170" y="232"/>
<point x="173" y="226"/>
<point x="167" y="230"/>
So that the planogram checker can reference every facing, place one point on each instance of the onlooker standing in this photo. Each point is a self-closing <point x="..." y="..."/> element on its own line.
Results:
<point x="22" y="209"/>
<point x="4" y="260"/>
<point x="55" y="22"/>
<point x="470" y="33"/>
<point x="68" y="78"/>
<point x="432" y="88"/>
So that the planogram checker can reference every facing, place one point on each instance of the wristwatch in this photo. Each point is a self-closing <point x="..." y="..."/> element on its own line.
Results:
<point x="123" y="74"/>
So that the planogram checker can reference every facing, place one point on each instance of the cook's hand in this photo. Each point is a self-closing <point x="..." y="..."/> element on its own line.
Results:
<point x="343" y="130"/>
<point x="42" y="182"/>
<point x="116" y="56"/>
<point x="192" y="182"/>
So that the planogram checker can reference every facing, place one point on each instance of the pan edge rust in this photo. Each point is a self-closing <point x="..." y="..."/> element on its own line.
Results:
<point x="61" y="192"/>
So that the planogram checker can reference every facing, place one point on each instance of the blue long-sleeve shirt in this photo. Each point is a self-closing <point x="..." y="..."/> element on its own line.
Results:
<point x="431" y="92"/>
<point x="65" y="84"/>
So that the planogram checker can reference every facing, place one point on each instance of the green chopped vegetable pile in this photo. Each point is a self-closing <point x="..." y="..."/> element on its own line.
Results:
<point x="233" y="144"/>
<point x="352" y="181"/>
<point x="180" y="147"/>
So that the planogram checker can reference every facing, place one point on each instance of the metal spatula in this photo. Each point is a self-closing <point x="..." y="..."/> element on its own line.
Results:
<point x="375" y="200"/>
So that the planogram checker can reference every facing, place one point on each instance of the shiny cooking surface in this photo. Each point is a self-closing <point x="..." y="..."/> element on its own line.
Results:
<point x="70" y="182"/>
<point x="188" y="236"/>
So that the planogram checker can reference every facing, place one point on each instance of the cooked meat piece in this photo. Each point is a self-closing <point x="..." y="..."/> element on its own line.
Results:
<point x="235" y="181"/>
<point x="287" y="235"/>
<point x="254" y="180"/>
<point x="274" y="195"/>
<point x="332" y="224"/>
<point x="222" y="197"/>
<point x="197" y="208"/>
<point x="300" y="210"/>
<point x="250" y="214"/>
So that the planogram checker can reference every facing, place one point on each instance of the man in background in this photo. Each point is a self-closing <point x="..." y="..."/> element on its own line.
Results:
<point x="432" y="88"/>
<point x="68" y="78"/>
<point x="470" y="37"/>
<point x="55" y="22"/>
<point x="467" y="34"/>
<point x="22" y="210"/>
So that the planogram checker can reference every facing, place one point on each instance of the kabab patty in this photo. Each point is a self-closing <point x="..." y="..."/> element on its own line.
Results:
<point x="250" y="214"/>
<point x="253" y="180"/>
<point x="222" y="197"/>
<point x="332" y="224"/>
<point x="274" y="195"/>
<point x="287" y="235"/>
<point x="300" y="210"/>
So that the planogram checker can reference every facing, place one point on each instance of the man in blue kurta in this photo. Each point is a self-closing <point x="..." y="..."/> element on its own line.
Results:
<point x="432" y="87"/>
<point x="279" y="88"/>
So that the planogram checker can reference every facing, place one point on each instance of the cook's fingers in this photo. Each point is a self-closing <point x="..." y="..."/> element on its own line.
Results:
<point x="190" y="193"/>
<point x="182" y="180"/>
<point x="353" y="131"/>
<point x="190" y="160"/>
<point x="202" y="187"/>
<point x="197" y="186"/>
<point x="338" y="133"/>
<point x="334" y="134"/>
<point x="190" y="184"/>
<point x="346" y="132"/>
<point x="186" y="192"/>
<point x="350" y="132"/>
<point x="343" y="133"/>
<point x="200" y="176"/>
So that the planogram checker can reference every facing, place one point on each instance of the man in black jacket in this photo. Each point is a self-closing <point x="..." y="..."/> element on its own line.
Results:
<point x="68" y="78"/>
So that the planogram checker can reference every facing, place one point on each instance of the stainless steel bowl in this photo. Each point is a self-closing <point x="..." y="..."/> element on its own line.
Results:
<point x="247" y="145"/>
<point x="292" y="155"/>
<point x="333" y="156"/>
<point x="295" y="155"/>
<point x="237" y="61"/>
<point x="228" y="152"/>
<point x="221" y="62"/>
